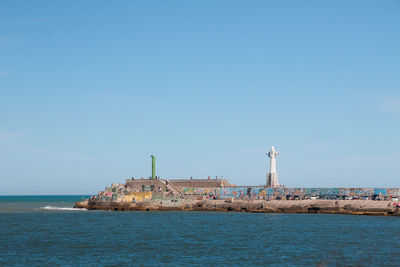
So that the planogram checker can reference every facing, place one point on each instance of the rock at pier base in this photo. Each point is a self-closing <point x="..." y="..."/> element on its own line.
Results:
<point x="354" y="207"/>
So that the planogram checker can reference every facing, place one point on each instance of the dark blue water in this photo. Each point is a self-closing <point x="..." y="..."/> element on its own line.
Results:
<point x="47" y="231"/>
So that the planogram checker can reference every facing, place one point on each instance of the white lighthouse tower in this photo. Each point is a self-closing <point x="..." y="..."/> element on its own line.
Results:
<point x="272" y="176"/>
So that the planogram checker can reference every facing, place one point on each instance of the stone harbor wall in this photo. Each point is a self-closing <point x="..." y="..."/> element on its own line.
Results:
<point x="200" y="183"/>
<point x="196" y="189"/>
<point x="354" y="207"/>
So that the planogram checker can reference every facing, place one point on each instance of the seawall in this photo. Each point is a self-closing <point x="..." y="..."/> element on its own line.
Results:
<point x="353" y="207"/>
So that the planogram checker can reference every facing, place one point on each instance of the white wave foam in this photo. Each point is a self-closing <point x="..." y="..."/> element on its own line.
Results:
<point x="61" y="208"/>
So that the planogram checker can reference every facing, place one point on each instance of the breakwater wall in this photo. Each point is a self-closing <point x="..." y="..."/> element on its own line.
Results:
<point x="354" y="207"/>
<point x="261" y="192"/>
<point x="125" y="194"/>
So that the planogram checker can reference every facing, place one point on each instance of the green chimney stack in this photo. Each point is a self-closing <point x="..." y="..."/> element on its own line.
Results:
<point x="153" y="167"/>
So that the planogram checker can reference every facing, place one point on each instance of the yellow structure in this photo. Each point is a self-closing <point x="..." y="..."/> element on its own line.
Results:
<point x="137" y="196"/>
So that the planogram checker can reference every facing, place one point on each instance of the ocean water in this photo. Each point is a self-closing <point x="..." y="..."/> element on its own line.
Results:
<point x="46" y="230"/>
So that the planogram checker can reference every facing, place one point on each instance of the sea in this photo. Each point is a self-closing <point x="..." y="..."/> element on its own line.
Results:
<point x="48" y="231"/>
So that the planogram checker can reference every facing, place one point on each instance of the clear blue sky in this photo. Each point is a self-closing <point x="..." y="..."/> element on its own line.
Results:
<point x="90" y="89"/>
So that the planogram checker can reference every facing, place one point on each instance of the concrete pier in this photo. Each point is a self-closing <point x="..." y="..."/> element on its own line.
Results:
<point x="220" y="195"/>
<point x="353" y="207"/>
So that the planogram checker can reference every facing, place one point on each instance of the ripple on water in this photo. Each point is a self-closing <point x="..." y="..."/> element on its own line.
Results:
<point x="55" y="234"/>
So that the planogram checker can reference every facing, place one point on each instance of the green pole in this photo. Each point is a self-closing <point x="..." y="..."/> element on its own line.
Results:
<point x="153" y="167"/>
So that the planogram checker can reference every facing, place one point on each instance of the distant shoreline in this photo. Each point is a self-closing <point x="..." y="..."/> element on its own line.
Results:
<point x="43" y="198"/>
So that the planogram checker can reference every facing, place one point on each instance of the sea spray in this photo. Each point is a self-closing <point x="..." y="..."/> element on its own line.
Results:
<point x="62" y="208"/>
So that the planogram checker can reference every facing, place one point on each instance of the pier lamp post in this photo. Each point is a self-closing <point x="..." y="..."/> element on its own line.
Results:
<point x="153" y="167"/>
<point x="272" y="176"/>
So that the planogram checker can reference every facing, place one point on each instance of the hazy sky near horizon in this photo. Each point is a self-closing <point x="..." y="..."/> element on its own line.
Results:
<point x="90" y="89"/>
